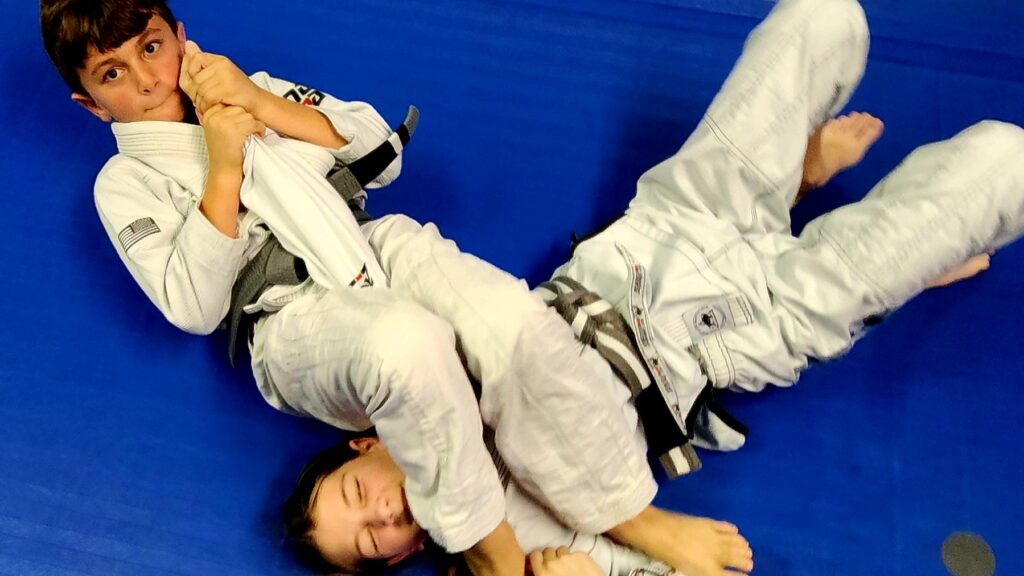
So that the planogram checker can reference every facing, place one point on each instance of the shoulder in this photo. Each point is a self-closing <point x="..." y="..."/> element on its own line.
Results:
<point x="267" y="82"/>
<point x="287" y="89"/>
<point x="120" y="168"/>
<point x="123" y="176"/>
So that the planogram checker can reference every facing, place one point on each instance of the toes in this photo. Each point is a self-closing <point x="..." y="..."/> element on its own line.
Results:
<point x="741" y="562"/>
<point x="980" y="263"/>
<point x="726" y="527"/>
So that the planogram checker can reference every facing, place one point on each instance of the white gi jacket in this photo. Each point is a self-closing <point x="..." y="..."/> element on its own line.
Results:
<point x="148" y="194"/>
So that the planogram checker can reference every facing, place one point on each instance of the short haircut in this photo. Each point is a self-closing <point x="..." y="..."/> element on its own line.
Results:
<point x="71" y="27"/>
<point x="298" y="517"/>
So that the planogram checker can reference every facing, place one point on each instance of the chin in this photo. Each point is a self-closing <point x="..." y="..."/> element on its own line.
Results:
<point x="172" y="110"/>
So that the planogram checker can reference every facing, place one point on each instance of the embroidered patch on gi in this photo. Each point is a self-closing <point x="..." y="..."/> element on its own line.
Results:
<point x="136" y="231"/>
<point x="717" y="315"/>
<point x="305" y="95"/>
<point x="362" y="280"/>
<point x="711" y="317"/>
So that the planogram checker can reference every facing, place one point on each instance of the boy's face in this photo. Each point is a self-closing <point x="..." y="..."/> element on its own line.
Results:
<point x="138" y="80"/>
<point x="360" y="512"/>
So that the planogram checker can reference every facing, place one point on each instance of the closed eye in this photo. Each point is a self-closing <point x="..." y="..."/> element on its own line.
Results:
<point x="373" y="540"/>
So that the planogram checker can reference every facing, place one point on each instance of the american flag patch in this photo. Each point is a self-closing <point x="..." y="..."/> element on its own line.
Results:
<point x="136" y="231"/>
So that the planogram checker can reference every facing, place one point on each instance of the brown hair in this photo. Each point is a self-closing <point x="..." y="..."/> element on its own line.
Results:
<point x="71" y="27"/>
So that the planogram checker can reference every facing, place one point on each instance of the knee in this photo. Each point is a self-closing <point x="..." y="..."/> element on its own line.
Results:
<point x="840" y="25"/>
<point x="995" y="136"/>
<point x="847" y="18"/>
<point x="401" y="242"/>
<point x="409" y="341"/>
<point x="400" y="224"/>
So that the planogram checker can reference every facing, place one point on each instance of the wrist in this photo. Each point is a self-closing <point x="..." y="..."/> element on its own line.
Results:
<point x="224" y="176"/>
<point x="262" y="102"/>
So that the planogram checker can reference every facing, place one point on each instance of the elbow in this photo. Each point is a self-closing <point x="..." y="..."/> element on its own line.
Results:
<point x="192" y="321"/>
<point x="197" y="326"/>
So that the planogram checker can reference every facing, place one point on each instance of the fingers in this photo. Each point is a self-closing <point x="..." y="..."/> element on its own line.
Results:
<point x="199" y="63"/>
<point x="536" y="559"/>
<point x="191" y="78"/>
<point x="234" y="116"/>
<point x="213" y="79"/>
<point x="209" y="86"/>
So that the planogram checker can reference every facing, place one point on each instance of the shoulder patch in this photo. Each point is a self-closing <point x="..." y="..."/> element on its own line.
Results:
<point x="136" y="231"/>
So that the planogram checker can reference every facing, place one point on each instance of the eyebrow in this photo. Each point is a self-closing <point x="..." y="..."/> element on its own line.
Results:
<point x="142" y="38"/>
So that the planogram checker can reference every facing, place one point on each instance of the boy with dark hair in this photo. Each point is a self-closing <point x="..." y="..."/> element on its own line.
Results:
<point x="191" y="209"/>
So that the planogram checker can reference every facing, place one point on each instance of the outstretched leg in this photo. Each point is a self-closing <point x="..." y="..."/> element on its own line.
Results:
<point x="931" y="221"/>
<point x="744" y="162"/>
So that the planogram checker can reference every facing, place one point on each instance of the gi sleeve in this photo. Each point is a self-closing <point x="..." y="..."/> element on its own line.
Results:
<point x="357" y="122"/>
<point x="184" y="265"/>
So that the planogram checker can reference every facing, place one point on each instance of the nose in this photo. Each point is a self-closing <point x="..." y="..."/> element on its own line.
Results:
<point x="387" y="515"/>
<point x="145" y="79"/>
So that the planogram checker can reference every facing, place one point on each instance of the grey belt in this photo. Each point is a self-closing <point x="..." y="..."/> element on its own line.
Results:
<point x="275" y="266"/>
<point x="597" y="324"/>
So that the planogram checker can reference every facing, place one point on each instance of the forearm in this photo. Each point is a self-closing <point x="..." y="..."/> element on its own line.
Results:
<point x="220" y="202"/>
<point x="297" y="121"/>
<point x="498" y="554"/>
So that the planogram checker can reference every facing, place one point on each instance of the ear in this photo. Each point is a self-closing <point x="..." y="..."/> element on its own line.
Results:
<point x="89" y="104"/>
<point x="403" y="555"/>
<point x="364" y="445"/>
<point x="180" y="32"/>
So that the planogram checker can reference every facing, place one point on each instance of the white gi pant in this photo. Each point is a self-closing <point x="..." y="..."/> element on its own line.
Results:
<point x="390" y="357"/>
<point x="535" y="526"/>
<point x="711" y="224"/>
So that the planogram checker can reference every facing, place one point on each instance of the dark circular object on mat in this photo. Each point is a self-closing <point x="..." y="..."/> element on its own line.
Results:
<point x="967" y="554"/>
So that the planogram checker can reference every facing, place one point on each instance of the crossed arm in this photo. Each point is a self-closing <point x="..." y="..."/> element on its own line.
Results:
<point x="230" y="108"/>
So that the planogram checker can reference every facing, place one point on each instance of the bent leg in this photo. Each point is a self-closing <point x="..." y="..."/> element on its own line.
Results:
<point x="567" y="445"/>
<point x="946" y="203"/>
<point x="356" y="358"/>
<point x="744" y="162"/>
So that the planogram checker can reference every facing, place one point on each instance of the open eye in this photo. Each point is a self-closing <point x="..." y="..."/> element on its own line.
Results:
<point x="152" y="47"/>
<point x="111" y="75"/>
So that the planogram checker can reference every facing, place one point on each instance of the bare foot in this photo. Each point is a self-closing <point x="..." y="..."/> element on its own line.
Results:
<point x="971" y="267"/>
<point x="835" y="146"/>
<point x="694" y="546"/>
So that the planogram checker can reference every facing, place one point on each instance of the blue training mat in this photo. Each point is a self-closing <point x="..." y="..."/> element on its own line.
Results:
<point x="129" y="448"/>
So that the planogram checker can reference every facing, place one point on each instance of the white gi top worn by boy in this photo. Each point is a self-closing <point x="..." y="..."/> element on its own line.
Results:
<point x="384" y="356"/>
<point x="147" y="198"/>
